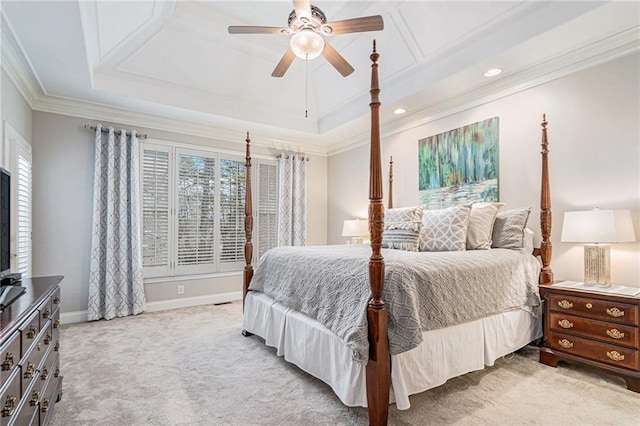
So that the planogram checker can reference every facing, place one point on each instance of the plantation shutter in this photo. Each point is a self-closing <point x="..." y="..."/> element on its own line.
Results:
<point x="267" y="217"/>
<point x="156" y="209"/>
<point x="24" y="200"/>
<point x="196" y="212"/>
<point x="232" y="194"/>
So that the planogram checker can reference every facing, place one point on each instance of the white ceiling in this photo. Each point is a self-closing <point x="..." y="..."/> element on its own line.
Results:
<point x="175" y="61"/>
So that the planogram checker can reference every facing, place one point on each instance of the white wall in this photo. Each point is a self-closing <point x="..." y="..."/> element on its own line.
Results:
<point x="15" y="111"/>
<point x="63" y="196"/>
<point x="594" y="136"/>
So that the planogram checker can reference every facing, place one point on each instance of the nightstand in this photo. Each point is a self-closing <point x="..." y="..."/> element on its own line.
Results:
<point x="591" y="328"/>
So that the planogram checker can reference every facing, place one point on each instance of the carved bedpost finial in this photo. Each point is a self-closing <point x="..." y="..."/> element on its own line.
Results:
<point x="390" y="204"/>
<point x="546" y="275"/>
<point x="248" y="224"/>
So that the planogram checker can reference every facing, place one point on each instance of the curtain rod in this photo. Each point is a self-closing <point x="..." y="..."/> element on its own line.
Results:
<point x="286" y="155"/>
<point x="106" y="130"/>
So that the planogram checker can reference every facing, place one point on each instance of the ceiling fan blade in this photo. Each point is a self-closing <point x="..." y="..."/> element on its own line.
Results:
<point x="284" y="64"/>
<point x="335" y="59"/>
<point x="256" y="30"/>
<point x="356" y="25"/>
<point x="303" y="9"/>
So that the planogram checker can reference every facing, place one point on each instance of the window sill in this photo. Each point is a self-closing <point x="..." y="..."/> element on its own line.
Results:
<point x="155" y="280"/>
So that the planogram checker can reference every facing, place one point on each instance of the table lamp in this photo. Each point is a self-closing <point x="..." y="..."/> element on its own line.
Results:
<point x="356" y="229"/>
<point x="597" y="228"/>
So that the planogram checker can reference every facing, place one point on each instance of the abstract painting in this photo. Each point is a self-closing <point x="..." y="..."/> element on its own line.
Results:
<point x="459" y="166"/>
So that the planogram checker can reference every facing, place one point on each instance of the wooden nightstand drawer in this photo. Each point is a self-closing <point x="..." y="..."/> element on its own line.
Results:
<point x="592" y="329"/>
<point x="605" y="310"/>
<point x="597" y="351"/>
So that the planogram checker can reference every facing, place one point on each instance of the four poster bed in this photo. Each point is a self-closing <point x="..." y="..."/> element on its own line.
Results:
<point x="380" y="329"/>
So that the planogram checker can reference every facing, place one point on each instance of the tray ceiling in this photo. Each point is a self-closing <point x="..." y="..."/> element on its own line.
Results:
<point x="175" y="59"/>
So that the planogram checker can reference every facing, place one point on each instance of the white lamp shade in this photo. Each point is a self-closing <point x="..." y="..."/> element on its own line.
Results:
<point x="598" y="226"/>
<point x="355" y="228"/>
<point x="307" y="44"/>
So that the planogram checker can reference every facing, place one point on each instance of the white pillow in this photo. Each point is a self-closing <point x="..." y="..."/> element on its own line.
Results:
<point x="481" y="220"/>
<point x="402" y="228"/>
<point x="445" y="230"/>
<point x="528" y="241"/>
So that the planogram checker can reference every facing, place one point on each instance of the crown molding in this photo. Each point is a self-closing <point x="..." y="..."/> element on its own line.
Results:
<point x="599" y="52"/>
<point x="17" y="66"/>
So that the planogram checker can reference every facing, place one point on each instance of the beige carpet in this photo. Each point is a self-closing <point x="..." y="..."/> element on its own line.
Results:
<point x="192" y="367"/>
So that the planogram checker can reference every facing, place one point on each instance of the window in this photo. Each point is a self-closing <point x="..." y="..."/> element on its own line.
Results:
<point x="193" y="210"/>
<point x="21" y="201"/>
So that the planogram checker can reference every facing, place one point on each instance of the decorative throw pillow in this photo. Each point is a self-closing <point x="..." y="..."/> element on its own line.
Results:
<point x="402" y="228"/>
<point x="508" y="229"/>
<point x="401" y="235"/>
<point x="481" y="219"/>
<point x="528" y="241"/>
<point x="403" y="214"/>
<point x="446" y="229"/>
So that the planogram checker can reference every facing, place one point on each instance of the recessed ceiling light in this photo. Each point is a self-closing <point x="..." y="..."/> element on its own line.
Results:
<point x="492" y="72"/>
<point x="399" y="111"/>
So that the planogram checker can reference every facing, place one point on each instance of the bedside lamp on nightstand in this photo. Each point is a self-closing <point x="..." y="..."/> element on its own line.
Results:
<point x="356" y="229"/>
<point x="596" y="227"/>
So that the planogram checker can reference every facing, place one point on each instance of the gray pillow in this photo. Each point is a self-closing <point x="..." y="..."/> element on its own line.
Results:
<point x="401" y="235"/>
<point x="446" y="229"/>
<point x="508" y="228"/>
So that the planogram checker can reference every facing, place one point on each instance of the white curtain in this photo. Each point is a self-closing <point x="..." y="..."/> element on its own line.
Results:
<point x="292" y="203"/>
<point x="115" y="281"/>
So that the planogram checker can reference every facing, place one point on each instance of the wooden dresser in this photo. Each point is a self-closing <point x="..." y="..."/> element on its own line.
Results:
<point x="592" y="328"/>
<point x="30" y="379"/>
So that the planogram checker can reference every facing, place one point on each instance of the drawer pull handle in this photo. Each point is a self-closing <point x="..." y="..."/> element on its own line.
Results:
<point x="57" y="346"/>
<point x="57" y="372"/>
<point x="56" y="300"/>
<point x="45" y="374"/>
<point x="589" y="305"/>
<point x="44" y="405"/>
<point x="47" y="339"/>
<point x="615" y="334"/>
<point x="31" y="333"/>
<point x="565" y="343"/>
<point x="31" y="368"/>
<point x="56" y="324"/>
<point x="565" y="304"/>
<point x="615" y="312"/>
<point x="9" y="406"/>
<point x="8" y="362"/>
<point x="35" y="396"/>
<point x="615" y="355"/>
<point x="46" y="313"/>
<point x="565" y="323"/>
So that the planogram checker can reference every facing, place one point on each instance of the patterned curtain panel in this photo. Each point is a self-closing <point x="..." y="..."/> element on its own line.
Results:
<point x="292" y="202"/>
<point x="115" y="282"/>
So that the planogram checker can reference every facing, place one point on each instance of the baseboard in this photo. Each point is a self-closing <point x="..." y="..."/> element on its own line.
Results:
<point x="185" y="302"/>
<point x="163" y="305"/>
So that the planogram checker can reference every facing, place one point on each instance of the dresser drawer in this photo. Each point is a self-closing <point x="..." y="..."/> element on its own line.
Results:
<point x="49" y="394"/>
<point x="620" y="313"/>
<point x="27" y="412"/>
<point x="10" y="397"/>
<point x="9" y="357"/>
<point x="617" y="334"/>
<point x="597" y="351"/>
<point x="32" y="360"/>
<point x="29" y="331"/>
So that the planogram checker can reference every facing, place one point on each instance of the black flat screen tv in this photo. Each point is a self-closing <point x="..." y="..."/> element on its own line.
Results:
<point x="5" y="223"/>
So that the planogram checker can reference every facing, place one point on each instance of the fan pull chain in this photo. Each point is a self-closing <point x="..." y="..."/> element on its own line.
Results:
<point x="306" y="85"/>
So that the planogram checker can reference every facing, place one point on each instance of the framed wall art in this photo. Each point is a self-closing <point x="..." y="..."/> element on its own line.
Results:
<point x="459" y="166"/>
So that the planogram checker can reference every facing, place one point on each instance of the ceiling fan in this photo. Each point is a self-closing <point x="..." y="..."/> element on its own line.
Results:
<point x="308" y="23"/>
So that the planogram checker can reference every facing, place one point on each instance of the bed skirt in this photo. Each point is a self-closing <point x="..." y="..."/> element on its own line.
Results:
<point x="444" y="354"/>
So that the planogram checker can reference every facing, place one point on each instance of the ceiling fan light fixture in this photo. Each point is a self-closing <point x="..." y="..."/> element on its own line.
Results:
<point x="307" y="44"/>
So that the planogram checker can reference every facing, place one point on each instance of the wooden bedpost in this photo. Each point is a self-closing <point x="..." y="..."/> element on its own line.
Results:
<point x="546" y="275"/>
<point x="390" y="202"/>
<point x="248" y="225"/>
<point x="379" y="365"/>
